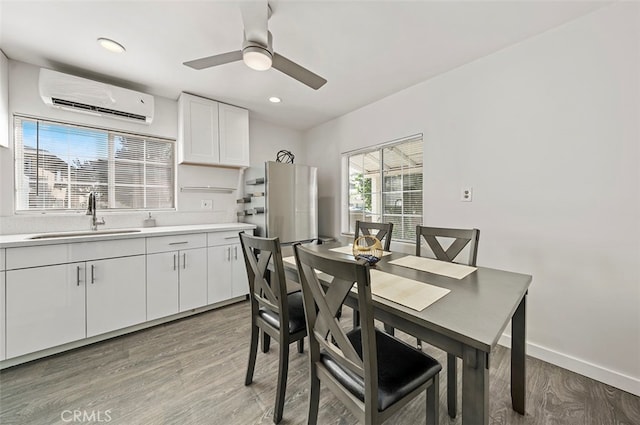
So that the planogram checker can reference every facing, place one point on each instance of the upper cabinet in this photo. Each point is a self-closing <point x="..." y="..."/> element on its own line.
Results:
<point x="212" y="133"/>
<point x="234" y="135"/>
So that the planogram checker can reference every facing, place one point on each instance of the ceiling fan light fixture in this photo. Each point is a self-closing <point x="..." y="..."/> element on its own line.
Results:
<point x="257" y="58"/>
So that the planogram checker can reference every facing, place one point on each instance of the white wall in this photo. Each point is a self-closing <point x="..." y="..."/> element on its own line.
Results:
<point x="547" y="132"/>
<point x="267" y="139"/>
<point x="23" y="97"/>
<point x="4" y="100"/>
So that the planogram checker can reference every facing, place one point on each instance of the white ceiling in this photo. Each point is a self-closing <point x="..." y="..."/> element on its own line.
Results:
<point x="365" y="49"/>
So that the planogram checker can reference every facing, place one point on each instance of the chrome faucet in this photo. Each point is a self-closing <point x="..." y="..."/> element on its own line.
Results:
<point x="91" y="210"/>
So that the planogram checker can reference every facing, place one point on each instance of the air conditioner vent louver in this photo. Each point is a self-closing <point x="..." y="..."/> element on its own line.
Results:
<point x="98" y="109"/>
<point x="77" y="94"/>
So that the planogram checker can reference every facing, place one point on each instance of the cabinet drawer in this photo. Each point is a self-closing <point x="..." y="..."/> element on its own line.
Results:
<point x="225" y="238"/>
<point x="84" y="251"/>
<point x="35" y="256"/>
<point x="176" y="242"/>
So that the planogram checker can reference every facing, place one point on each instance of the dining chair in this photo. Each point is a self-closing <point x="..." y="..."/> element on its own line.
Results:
<point x="383" y="232"/>
<point x="271" y="307"/>
<point x="373" y="373"/>
<point x="455" y="240"/>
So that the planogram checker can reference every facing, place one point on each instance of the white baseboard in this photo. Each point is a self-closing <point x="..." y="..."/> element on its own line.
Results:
<point x="599" y="373"/>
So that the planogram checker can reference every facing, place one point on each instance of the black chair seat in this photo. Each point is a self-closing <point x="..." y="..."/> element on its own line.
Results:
<point x="401" y="368"/>
<point x="296" y="314"/>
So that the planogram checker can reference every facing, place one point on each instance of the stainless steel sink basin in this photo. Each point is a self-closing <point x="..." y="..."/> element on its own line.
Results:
<point x="83" y="233"/>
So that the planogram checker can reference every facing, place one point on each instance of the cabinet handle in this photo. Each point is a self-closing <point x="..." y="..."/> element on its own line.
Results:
<point x="235" y="251"/>
<point x="229" y="254"/>
<point x="184" y="260"/>
<point x="174" y="261"/>
<point x="92" y="274"/>
<point x="178" y="243"/>
<point x="77" y="275"/>
<point x="232" y="237"/>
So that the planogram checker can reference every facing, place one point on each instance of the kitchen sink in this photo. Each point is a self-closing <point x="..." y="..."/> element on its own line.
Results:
<point x="83" y="233"/>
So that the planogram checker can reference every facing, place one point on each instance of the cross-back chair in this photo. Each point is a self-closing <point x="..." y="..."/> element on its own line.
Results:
<point x="373" y="373"/>
<point x="435" y="238"/>
<point x="382" y="232"/>
<point x="271" y="307"/>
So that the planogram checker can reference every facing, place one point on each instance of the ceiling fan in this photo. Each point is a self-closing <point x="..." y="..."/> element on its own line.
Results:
<point x="257" y="48"/>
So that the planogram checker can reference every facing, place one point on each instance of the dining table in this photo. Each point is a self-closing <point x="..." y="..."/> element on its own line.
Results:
<point x="466" y="322"/>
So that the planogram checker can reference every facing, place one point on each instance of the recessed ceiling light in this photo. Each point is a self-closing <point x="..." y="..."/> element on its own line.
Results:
<point x="274" y="99"/>
<point x="110" y="45"/>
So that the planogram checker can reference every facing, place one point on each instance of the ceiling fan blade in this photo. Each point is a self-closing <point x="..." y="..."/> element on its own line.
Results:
<point x="215" y="60"/>
<point x="297" y="72"/>
<point x="255" y="15"/>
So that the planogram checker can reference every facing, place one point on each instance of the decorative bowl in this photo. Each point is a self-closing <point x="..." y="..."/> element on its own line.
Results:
<point x="368" y="248"/>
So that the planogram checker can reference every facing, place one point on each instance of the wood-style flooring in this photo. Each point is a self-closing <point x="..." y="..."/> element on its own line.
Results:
<point x="192" y="372"/>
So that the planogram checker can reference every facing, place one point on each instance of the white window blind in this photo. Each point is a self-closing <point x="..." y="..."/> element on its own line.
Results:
<point x="385" y="185"/>
<point x="58" y="164"/>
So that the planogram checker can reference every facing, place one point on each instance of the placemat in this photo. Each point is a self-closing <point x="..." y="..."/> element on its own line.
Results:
<point x="444" y="268"/>
<point x="407" y="292"/>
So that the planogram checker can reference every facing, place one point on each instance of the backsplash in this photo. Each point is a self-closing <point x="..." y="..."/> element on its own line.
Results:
<point x="34" y="223"/>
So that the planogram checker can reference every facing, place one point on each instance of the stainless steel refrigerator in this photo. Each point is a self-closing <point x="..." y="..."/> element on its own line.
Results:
<point x="282" y="200"/>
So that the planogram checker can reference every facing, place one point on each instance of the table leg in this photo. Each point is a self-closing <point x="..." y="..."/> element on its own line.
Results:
<point x="518" y="357"/>
<point x="475" y="387"/>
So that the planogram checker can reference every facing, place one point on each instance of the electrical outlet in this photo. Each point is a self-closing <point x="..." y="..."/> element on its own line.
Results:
<point x="466" y="194"/>
<point x="206" y="204"/>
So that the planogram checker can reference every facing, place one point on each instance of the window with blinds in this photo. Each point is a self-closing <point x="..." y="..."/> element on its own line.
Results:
<point x="58" y="164"/>
<point x="385" y="185"/>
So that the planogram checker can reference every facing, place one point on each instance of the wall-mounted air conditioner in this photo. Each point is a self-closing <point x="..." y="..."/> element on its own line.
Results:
<point x="81" y="95"/>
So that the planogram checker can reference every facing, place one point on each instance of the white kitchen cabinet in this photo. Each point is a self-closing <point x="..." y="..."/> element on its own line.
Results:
<point x="116" y="295"/>
<point x="193" y="278"/>
<point x="162" y="284"/>
<point x="176" y="274"/>
<point x="60" y="293"/>
<point x="212" y="133"/>
<point x="227" y="276"/>
<point x="199" y="141"/>
<point x="45" y="307"/>
<point x="57" y="304"/>
<point x="234" y="135"/>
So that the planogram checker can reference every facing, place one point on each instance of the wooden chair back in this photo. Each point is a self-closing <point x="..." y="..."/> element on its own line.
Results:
<point x="382" y="232"/>
<point x="267" y="290"/>
<point x="322" y="304"/>
<point x="461" y="238"/>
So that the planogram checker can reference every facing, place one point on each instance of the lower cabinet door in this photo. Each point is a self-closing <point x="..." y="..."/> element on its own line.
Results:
<point x="239" y="283"/>
<point x="162" y="284"/>
<point x="115" y="294"/>
<point x="45" y="307"/>
<point x="219" y="273"/>
<point x="193" y="278"/>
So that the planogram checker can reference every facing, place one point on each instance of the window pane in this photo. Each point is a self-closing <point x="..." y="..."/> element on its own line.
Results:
<point x="129" y="172"/>
<point x="385" y="185"/>
<point x="58" y="164"/>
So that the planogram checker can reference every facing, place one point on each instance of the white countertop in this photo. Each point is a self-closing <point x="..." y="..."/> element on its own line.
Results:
<point x="19" y="240"/>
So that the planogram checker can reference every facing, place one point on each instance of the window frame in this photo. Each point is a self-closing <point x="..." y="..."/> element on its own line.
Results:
<point x="112" y="134"/>
<point x="345" y="185"/>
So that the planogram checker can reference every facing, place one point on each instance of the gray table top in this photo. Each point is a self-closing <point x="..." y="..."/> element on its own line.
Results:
<point x="475" y="312"/>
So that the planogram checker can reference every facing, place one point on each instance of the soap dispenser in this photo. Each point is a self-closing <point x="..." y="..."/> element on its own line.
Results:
<point x="149" y="222"/>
